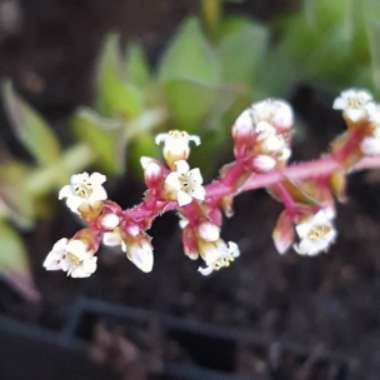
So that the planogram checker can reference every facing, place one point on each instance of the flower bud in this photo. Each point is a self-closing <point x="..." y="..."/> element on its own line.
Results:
<point x="109" y="221"/>
<point x="189" y="242"/>
<point x="140" y="252"/>
<point x="209" y="232"/>
<point x="153" y="171"/>
<point x="243" y="126"/>
<point x="264" y="163"/>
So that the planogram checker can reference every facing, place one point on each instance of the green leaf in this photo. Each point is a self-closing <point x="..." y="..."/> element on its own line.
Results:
<point x="374" y="35"/>
<point x="104" y="138"/>
<point x="16" y="202"/>
<point x="44" y="180"/>
<point x="137" y="67"/>
<point x="189" y="103"/>
<point x="13" y="256"/>
<point x="31" y="129"/>
<point x="242" y="38"/>
<point x="115" y="97"/>
<point x="325" y="14"/>
<point x="14" y="266"/>
<point x="142" y="145"/>
<point x="190" y="73"/>
<point x="190" y="57"/>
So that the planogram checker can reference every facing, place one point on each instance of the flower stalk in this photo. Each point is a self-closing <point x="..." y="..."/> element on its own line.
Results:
<point x="262" y="138"/>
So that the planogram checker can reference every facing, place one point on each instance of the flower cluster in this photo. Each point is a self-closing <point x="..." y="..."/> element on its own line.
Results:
<point x="360" y="111"/>
<point x="262" y="137"/>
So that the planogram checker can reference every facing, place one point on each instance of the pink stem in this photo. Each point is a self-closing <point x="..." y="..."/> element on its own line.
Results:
<point x="286" y="198"/>
<point x="322" y="167"/>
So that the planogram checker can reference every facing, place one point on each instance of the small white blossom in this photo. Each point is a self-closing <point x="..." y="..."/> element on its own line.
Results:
<point x="176" y="145"/>
<point x="243" y="125"/>
<point x="273" y="111"/>
<point x="209" y="231"/>
<point x="218" y="255"/>
<point x="141" y="254"/>
<point x="354" y="104"/>
<point x="110" y="221"/>
<point x="83" y="189"/>
<point x="316" y="233"/>
<point x="72" y="257"/>
<point x="185" y="184"/>
<point x="264" y="163"/>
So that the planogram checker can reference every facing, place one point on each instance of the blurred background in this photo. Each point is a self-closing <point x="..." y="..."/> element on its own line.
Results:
<point x="86" y="85"/>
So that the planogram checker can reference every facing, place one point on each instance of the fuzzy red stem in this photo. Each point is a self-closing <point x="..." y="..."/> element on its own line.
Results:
<point x="322" y="167"/>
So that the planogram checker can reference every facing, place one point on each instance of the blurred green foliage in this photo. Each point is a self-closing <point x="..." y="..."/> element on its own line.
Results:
<point x="212" y="67"/>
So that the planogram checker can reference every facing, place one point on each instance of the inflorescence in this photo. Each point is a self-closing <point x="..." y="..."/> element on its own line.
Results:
<point x="262" y="137"/>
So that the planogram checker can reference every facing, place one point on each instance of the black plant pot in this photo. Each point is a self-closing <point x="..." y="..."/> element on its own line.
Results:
<point x="203" y="352"/>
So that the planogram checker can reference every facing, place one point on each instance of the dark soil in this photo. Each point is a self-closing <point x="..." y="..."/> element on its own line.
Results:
<point x="328" y="302"/>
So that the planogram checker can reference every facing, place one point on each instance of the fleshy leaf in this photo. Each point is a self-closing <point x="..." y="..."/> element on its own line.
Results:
<point x="102" y="135"/>
<point x="31" y="129"/>
<point x="115" y="97"/>
<point x="374" y="36"/>
<point x="16" y="202"/>
<point x="137" y="67"/>
<point x="190" y="57"/>
<point x="245" y="37"/>
<point x="14" y="265"/>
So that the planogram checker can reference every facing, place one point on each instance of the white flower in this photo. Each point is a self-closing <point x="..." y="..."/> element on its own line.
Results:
<point x="243" y="125"/>
<point x="264" y="163"/>
<point x="217" y="255"/>
<point x="141" y="254"/>
<point x="83" y="189"/>
<point x="185" y="184"/>
<point x="209" y="231"/>
<point x="273" y="111"/>
<point x="316" y="233"/>
<point x="110" y="221"/>
<point x="176" y="145"/>
<point x="354" y="103"/>
<point x="72" y="257"/>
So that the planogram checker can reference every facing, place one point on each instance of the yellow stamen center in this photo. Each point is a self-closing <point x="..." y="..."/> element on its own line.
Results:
<point x="73" y="260"/>
<point x="318" y="232"/>
<point x="83" y="189"/>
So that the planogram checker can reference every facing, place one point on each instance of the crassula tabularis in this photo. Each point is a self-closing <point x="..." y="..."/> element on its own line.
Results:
<point x="262" y="137"/>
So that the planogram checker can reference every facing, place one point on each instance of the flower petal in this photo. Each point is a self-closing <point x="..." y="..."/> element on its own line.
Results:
<point x="183" y="198"/>
<point x="65" y="192"/>
<point x="98" y="178"/>
<point x="182" y="167"/>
